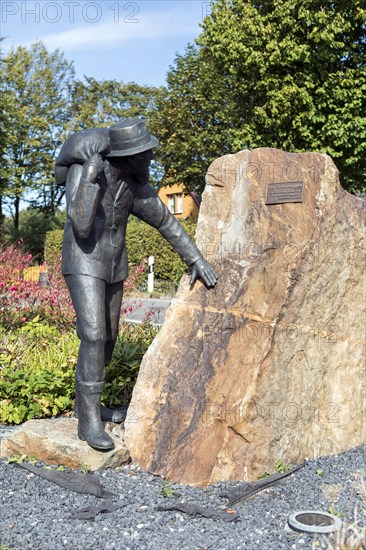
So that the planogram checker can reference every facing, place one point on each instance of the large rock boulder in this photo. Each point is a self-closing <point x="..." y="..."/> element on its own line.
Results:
<point x="270" y="364"/>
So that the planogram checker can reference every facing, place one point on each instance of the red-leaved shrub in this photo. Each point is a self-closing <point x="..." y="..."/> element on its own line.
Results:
<point x="22" y="300"/>
<point x="49" y="299"/>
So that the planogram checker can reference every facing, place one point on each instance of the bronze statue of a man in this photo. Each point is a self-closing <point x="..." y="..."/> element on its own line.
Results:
<point x="104" y="185"/>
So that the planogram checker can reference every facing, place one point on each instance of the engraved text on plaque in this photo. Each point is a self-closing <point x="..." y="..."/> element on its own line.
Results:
<point x="289" y="191"/>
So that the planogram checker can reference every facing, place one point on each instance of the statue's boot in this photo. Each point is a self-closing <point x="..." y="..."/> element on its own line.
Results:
<point x="111" y="415"/>
<point x="90" y="427"/>
<point x="106" y="414"/>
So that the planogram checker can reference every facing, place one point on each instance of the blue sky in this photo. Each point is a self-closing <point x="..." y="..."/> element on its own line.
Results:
<point x="107" y="39"/>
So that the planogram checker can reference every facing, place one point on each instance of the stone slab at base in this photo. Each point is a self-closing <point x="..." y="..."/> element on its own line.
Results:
<point x="55" y="441"/>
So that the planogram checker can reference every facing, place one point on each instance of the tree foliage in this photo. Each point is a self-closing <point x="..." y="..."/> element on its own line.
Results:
<point x="289" y="74"/>
<point x="103" y="103"/>
<point x="192" y="120"/>
<point x="37" y="85"/>
<point x="41" y="104"/>
<point x="34" y="224"/>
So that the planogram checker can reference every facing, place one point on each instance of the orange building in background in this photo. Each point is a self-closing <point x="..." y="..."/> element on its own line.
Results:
<point x="182" y="206"/>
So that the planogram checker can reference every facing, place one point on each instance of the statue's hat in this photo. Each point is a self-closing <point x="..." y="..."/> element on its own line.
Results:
<point x="129" y="137"/>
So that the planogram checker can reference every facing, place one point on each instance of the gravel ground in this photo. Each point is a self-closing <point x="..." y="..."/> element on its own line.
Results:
<point x="34" y="513"/>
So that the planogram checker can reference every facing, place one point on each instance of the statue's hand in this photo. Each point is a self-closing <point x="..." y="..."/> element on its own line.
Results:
<point x="203" y="270"/>
<point x="93" y="167"/>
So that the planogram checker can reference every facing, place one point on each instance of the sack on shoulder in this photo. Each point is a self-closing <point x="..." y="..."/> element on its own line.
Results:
<point x="78" y="148"/>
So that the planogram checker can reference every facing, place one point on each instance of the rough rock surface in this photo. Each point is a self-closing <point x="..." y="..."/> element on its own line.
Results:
<point x="55" y="441"/>
<point x="270" y="364"/>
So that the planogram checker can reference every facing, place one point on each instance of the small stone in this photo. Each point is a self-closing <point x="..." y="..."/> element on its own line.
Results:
<point x="331" y="491"/>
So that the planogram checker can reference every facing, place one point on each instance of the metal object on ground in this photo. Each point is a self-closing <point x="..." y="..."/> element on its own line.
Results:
<point x="246" y="490"/>
<point x="73" y="481"/>
<point x="314" y="521"/>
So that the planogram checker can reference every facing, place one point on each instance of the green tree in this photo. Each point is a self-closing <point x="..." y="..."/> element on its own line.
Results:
<point x="5" y="107"/>
<point x="277" y="73"/>
<point x="41" y="104"/>
<point x="192" y="119"/>
<point x="102" y="103"/>
<point x="37" y="85"/>
<point x="33" y="226"/>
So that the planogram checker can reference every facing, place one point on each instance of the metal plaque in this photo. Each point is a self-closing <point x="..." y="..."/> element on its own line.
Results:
<point x="282" y="192"/>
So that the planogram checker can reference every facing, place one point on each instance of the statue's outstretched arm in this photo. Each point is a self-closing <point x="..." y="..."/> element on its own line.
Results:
<point x="148" y="207"/>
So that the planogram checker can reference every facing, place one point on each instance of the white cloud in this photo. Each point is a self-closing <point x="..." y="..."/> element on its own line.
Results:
<point x="148" y="25"/>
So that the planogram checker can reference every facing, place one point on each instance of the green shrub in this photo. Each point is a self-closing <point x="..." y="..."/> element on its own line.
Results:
<point x="143" y="240"/>
<point x="53" y="246"/>
<point x="121" y="373"/>
<point x="37" y="366"/>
